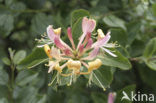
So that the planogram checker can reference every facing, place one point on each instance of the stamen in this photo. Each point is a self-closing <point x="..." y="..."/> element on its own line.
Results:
<point x="104" y="89"/>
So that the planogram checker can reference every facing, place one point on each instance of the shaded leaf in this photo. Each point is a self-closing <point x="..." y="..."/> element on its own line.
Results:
<point x="119" y="35"/>
<point x="6" y="24"/>
<point x="132" y="31"/>
<point x="150" y="54"/>
<point x="4" y="78"/>
<point x="36" y="57"/>
<point x="120" y="61"/>
<point x="3" y="100"/>
<point x="99" y="97"/>
<point x="6" y="61"/>
<point x="40" y="22"/>
<point x="19" y="56"/>
<point x="25" y="95"/>
<point x="114" y="21"/>
<point x="24" y="77"/>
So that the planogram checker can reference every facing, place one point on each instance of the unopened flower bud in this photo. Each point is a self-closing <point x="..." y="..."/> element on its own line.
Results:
<point x="100" y="34"/>
<point x="57" y="31"/>
<point x="94" y="65"/>
<point x="74" y="65"/>
<point x="47" y="50"/>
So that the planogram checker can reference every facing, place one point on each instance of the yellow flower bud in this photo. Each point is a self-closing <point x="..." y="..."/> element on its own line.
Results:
<point x="94" y="65"/>
<point x="58" y="68"/>
<point x="100" y="34"/>
<point x="57" y="31"/>
<point x="74" y="65"/>
<point x="47" y="50"/>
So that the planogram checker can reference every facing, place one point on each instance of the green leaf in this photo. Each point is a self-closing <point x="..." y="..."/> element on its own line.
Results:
<point x="150" y="54"/>
<point x="120" y="61"/>
<point x="4" y="78"/>
<point x="116" y="35"/>
<point x="150" y="48"/>
<point x="147" y="75"/>
<point x="102" y="77"/>
<point x="3" y="100"/>
<point x="6" y="24"/>
<point x="8" y="2"/>
<point x="37" y="57"/>
<point x="16" y="6"/>
<point x="6" y="61"/>
<point x="127" y="90"/>
<point x="79" y="14"/>
<point x="42" y="99"/>
<point x="19" y="56"/>
<point x="24" y="77"/>
<point x="40" y="22"/>
<point x="154" y="8"/>
<point x="4" y="91"/>
<point x="151" y="64"/>
<point x="114" y="21"/>
<point x="25" y="95"/>
<point x="132" y="31"/>
<point x="77" y="30"/>
<point x="99" y="97"/>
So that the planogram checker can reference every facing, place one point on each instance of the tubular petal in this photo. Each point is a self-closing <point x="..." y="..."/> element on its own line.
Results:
<point x="70" y="37"/>
<point x="81" y="48"/>
<point x="88" y="36"/>
<point x="50" y="32"/>
<point x="58" y="43"/>
<point x="89" y="44"/>
<point x="88" y="25"/>
<point x="92" y="54"/>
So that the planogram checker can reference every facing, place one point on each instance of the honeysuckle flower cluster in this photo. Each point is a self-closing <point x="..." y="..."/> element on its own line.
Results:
<point x="80" y="59"/>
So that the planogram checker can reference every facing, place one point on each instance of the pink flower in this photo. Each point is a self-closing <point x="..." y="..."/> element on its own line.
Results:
<point x="88" y="25"/>
<point x="85" y="54"/>
<point x="111" y="97"/>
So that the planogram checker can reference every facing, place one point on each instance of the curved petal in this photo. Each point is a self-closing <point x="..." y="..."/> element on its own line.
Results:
<point x="92" y="54"/>
<point x="103" y="41"/>
<point x="50" y="32"/>
<point x="58" y="43"/>
<point x="88" y="25"/>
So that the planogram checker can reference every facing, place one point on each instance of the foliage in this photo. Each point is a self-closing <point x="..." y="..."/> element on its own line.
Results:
<point x="132" y="26"/>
